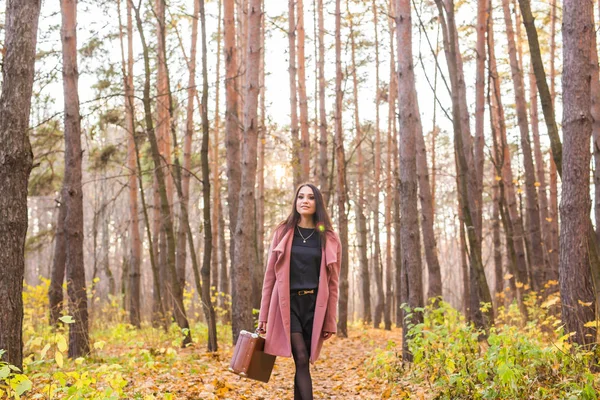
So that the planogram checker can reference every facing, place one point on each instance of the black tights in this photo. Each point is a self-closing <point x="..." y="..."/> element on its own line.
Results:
<point x="302" y="379"/>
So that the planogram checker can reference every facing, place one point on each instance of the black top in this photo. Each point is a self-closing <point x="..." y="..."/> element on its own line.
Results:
<point x="305" y="260"/>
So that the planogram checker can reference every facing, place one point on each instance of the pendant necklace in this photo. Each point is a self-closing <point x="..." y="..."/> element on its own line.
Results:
<point x="304" y="239"/>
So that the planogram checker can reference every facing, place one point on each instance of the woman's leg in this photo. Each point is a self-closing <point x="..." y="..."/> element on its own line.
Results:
<point x="302" y="379"/>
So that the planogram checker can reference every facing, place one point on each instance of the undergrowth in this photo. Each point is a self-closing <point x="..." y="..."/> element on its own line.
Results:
<point x="118" y="350"/>
<point x="516" y="361"/>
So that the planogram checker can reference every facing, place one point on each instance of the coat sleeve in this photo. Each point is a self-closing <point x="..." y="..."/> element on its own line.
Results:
<point x="268" y="282"/>
<point x="330" y="323"/>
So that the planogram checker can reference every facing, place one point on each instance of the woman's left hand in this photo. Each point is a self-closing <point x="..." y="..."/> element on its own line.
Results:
<point x="327" y="335"/>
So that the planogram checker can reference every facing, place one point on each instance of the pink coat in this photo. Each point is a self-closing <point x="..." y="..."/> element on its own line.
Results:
<point x="275" y="303"/>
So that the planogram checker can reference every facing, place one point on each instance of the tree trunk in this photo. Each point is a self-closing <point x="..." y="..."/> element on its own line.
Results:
<point x="512" y="223"/>
<point x="595" y="109"/>
<point x="59" y="262"/>
<point x="540" y="173"/>
<point x="135" y="249"/>
<point x="232" y="123"/>
<point x="17" y="160"/>
<point x="259" y="271"/>
<point x="303" y="98"/>
<point x="323" y="172"/>
<point x="575" y="278"/>
<point x="245" y="233"/>
<point x="549" y="117"/>
<point x="408" y="116"/>
<point x="376" y="240"/>
<point x="392" y="268"/>
<point x="207" y="305"/>
<point x="361" y="220"/>
<point x="342" y="325"/>
<point x="164" y="147"/>
<point x="166" y="218"/>
<point x="216" y="181"/>
<point x="553" y="207"/>
<point x="537" y="270"/>
<point x="296" y="159"/>
<point x="187" y="151"/>
<point x="482" y="8"/>
<point x="72" y="192"/>
<point x="479" y="287"/>
<point x="497" y="243"/>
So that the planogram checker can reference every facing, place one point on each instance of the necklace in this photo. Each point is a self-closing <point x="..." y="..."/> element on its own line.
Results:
<point x="304" y="239"/>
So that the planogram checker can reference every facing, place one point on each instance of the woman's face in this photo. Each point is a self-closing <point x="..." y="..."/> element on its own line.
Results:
<point x="305" y="202"/>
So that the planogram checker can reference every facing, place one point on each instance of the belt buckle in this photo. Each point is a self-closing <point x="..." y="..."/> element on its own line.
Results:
<point x="303" y="292"/>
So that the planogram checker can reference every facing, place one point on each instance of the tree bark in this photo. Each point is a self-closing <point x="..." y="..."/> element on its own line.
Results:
<point x="216" y="181"/>
<point x="259" y="271"/>
<point x="135" y="249"/>
<point x="323" y="172"/>
<point x="595" y="109"/>
<point x="17" y="160"/>
<point x="187" y="151"/>
<point x="166" y="218"/>
<point x="390" y="299"/>
<point x="537" y="270"/>
<point x="296" y="158"/>
<point x="482" y="16"/>
<point x="207" y="304"/>
<point x="232" y="123"/>
<point x="72" y="192"/>
<point x="575" y="278"/>
<point x="553" y="208"/>
<point x="59" y="263"/>
<point x="303" y="98"/>
<point x="540" y="173"/>
<point x="409" y="122"/>
<point x="245" y="233"/>
<point x="549" y="117"/>
<point x="342" y="325"/>
<point x="497" y="243"/>
<point x="468" y="187"/>
<point x="361" y="220"/>
<point x="376" y="270"/>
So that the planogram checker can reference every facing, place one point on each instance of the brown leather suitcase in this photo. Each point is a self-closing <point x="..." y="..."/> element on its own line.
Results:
<point x="249" y="359"/>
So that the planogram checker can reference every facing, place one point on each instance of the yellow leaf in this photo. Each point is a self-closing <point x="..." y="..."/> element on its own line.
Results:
<point x="550" y="251"/>
<point x="36" y="342"/>
<point x="497" y="178"/>
<point x="550" y="302"/>
<point x="79" y="360"/>
<point x="44" y="351"/>
<point x="59" y="358"/>
<point x="99" y="344"/>
<point x="537" y="184"/>
<point x="387" y="393"/>
<point x="592" y="324"/>
<point x="581" y="303"/>
<point x="61" y="343"/>
<point x="519" y="284"/>
<point x="519" y="190"/>
<point x="507" y="277"/>
<point x="548" y="219"/>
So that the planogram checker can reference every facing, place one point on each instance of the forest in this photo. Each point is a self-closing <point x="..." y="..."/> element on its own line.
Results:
<point x="149" y="149"/>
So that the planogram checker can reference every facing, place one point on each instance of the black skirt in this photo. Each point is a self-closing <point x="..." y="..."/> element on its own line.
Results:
<point x="302" y="312"/>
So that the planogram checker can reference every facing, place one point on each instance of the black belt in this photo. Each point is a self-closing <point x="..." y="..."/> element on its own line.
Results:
<point x="303" y="292"/>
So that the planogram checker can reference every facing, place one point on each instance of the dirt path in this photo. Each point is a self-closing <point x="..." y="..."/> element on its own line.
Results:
<point x="338" y="374"/>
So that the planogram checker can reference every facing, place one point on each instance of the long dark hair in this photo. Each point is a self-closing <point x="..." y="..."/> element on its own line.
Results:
<point x="320" y="217"/>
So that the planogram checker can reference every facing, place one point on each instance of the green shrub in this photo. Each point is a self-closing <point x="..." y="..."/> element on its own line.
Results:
<point x="513" y="363"/>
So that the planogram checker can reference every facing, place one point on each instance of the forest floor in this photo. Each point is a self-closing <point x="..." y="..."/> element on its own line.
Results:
<point x="148" y="364"/>
<point x="340" y="373"/>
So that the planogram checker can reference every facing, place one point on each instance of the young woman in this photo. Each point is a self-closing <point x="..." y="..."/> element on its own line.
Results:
<point x="298" y="309"/>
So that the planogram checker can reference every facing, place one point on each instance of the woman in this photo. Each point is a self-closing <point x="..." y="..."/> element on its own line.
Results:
<point x="298" y="309"/>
